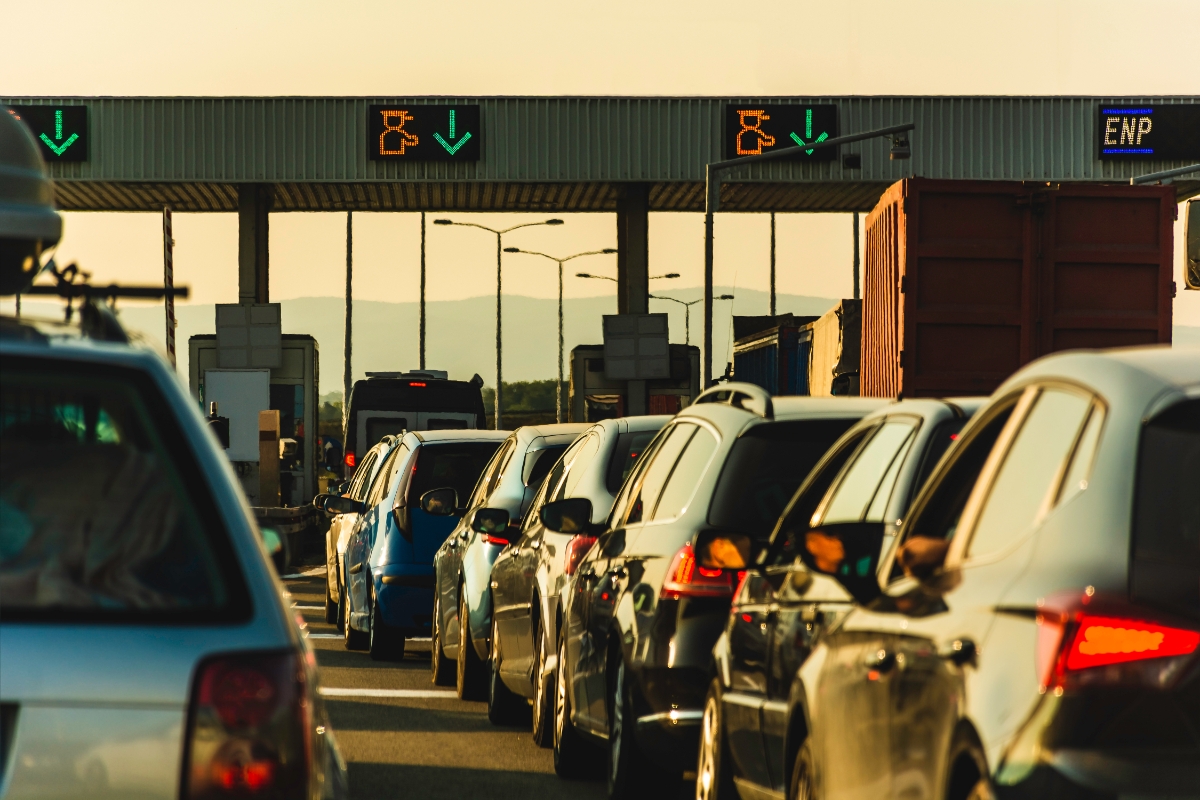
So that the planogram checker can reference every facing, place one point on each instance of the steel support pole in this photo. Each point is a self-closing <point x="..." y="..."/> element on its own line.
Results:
<point x="856" y="259"/>
<point x="711" y="186"/>
<point x="422" y="353"/>
<point x="347" y="375"/>
<point x="169" y="281"/>
<point x="558" y="406"/>
<point x="499" y="364"/>
<point x="772" y="263"/>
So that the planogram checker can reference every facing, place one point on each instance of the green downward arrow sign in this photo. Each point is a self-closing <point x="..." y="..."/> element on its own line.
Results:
<point x="58" y="150"/>
<point x="452" y="149"/>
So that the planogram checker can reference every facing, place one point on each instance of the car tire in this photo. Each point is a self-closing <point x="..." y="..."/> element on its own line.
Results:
<point x="543" y="694"/>
<point x="629" y="774"/>
<point x="470" y="678"/>
<point x="331" y="608"/>
<point x="571" y="752"/>
<point x="385" y="642"/>
<point x="341" y="610"/>
<point x="355" y="640"/>
<point x="801" y="785"/>
<point x="504" y="707"/>
<point x="714" y="763"/>
<point x="440" y="669"/>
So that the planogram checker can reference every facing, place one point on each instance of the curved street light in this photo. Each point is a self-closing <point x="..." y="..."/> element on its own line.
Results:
<point x="558" y="406"/>
<point x="498" y="233"/>
<point x="614" y="280"/>
<point x="687" y="311"/>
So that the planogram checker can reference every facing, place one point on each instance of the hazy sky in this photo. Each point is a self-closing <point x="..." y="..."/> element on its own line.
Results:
<point x="621" y="47"/>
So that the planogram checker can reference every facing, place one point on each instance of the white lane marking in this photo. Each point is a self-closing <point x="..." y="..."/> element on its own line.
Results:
<point x="308" y="608"/>
<point x="312" y="573"/>
<point x="330" y="691"/>
<point x="325" y="636"/>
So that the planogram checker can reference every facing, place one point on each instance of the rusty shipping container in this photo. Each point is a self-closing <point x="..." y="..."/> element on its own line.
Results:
<point x="968" y="280"/>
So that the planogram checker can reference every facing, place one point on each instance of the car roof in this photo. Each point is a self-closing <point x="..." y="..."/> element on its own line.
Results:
<point x="460" y="435"/>
<point x="1110" y="371"/>
<point x="527" y="433"/>
<point x="929" y="407"/>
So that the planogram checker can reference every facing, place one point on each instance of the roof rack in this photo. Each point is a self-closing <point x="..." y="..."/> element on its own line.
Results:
<point x="428" y="374"/>
<point x="746" y="396"/>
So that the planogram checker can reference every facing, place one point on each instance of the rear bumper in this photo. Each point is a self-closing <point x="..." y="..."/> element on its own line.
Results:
<point x="1097" y="775"/>
<point x="671" y="737"/>
<point x="404" y="593"/>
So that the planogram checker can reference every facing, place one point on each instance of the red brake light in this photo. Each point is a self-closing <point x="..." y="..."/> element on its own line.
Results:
<point x="248" y="727"/>
<point x="1109" y="640"/>
<point x="686" y="579"/>
<point x="416" y="383"/>
<point x="575" y="551"/>
<point x="487" y="537"/>
<point x="350" y="459"/>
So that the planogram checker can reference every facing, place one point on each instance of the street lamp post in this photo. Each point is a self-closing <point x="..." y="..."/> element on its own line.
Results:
<point x="687" y="311"/>
<point x="558" y="405"/>
<point x="712" y="201"/>
<point x="499" y="234"/>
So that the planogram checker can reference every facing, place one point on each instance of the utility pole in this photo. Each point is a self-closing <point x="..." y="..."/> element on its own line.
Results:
<point x="347" y="379"/>
<point x="422" y="358"/>
<point x="773" y="262"/>
<point x="856" y="262"/>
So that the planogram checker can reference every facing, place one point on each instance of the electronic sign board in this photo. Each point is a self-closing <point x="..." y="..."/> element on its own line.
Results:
<point x="755" y="128"/>
<point x="414" y="132"/>
<point x="1162" y="133"/>
<point x="61" y="131"/>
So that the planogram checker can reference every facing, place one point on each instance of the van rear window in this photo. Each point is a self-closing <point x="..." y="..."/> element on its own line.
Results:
<point x="1166" y="521"/>
<point x="103" y="513"/>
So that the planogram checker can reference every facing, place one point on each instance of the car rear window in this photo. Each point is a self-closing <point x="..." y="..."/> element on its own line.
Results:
<point x="764" y="468"/>
<point x="629" y="448"/>
<point x="1166" y="522"/>
<point x="456" y="465"/>
<point x="104" y="514"/>
<point x="539" y="462"/>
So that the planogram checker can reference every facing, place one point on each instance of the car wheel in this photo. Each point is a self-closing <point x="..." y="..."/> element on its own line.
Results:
<point x="331" y="608"/>
<point x="386" y="643"/>
<point x="504" y="707"/>
<point x="355" y="640"/>
<point x="714" y="774"/>
<point x="628" y="772"/>
<point x="543" y="694"/>
<point x="470" y="677"/>
<point x="439" y="664"/>
<point x="570" y="751"/>
<point x="801" y="786"/>
<point x="341" y="606"/>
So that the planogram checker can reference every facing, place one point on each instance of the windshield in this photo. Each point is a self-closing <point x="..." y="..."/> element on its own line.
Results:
<point x="102" y="511"/>
<point x="457" y="465"/>
<point x="765" y="467"/>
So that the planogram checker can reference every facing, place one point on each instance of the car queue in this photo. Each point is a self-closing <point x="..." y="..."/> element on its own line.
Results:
<point x="847" y="597"/>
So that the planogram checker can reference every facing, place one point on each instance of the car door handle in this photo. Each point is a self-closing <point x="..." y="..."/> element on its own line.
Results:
<point x="357" y="568"/>
<point x="617" y="573"/>
<point x="535" y="544"/>
<point x="959" y="651"/>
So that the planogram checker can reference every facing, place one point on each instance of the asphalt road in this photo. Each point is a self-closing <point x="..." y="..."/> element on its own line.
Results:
<point x="429" y="744"/>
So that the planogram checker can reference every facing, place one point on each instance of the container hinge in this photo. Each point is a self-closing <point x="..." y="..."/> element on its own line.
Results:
<point x="901" y="359"/>
<point x="903" y="284"/>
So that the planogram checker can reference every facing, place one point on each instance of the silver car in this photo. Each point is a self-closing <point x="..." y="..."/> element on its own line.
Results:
<point x="148" y="647"/>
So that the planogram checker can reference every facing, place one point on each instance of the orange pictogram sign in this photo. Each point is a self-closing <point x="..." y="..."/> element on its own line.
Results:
<point x="393" y="122"/>
<point x="757" y="117"/>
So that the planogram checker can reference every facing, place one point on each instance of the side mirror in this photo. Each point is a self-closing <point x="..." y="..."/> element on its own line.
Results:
<point x="491" y="522"/>
<point x="343" y="487"/>
<point x="344" y="505"/>
<point x="849" y="553"/>
<point x="573" y="515"/>
<point x="440" y="502"/>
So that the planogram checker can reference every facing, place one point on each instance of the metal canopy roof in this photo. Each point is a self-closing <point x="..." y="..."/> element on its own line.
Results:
<point x="561" y="154"/>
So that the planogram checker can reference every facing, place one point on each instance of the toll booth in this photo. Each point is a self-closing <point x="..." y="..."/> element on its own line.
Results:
<point x="291" y="389"/>
<point x="593" y="397"/>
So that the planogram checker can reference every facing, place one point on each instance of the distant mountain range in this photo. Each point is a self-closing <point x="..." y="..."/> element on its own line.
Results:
<point x="461" y="334"/>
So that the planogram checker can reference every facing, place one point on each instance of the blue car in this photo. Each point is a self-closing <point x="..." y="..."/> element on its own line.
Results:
<point x="388" y="569"/>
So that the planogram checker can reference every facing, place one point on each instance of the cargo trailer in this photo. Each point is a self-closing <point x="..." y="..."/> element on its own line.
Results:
<point x="968" y="280"/>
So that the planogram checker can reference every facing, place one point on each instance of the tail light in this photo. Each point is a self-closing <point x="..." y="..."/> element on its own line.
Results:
<point x="685" y="578"/>
<point x="350" y="459"/>
<point x="575" y="551"/>
<point x="248" y="728"/>
<point x="497" y="540"/>
<point x="1106" y="646"/>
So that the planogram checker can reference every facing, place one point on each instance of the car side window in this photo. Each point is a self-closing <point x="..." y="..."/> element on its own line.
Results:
<point x="488" y="479"/>
<point x="863" y="489"/>
<point x="535" y="506"/>
<point x="621" y="505"/>
<point x="379" y="486"/>
<point x="358" y="489"/>
<point x="686" y="475"/>
<point x="579" y="466"/>
<point x="1080" y="470"/>
<point x="658" y="469"/>
<point x="1025" y="483"/>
